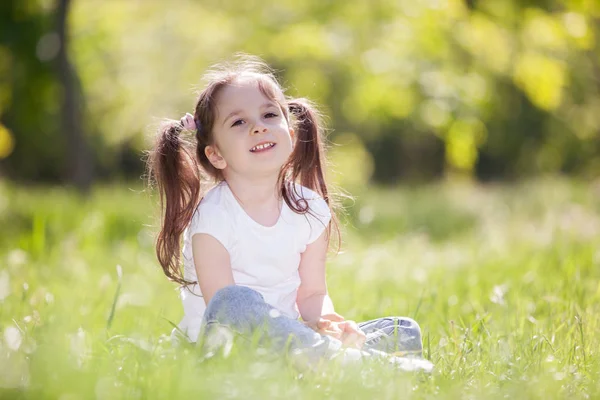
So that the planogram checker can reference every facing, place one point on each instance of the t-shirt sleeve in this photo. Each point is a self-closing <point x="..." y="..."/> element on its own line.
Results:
<point x="211" y="220"/>
<point x="318" y="217"/>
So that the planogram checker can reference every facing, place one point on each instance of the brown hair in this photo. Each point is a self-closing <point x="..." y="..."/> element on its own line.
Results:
<point x="183" y="172"/>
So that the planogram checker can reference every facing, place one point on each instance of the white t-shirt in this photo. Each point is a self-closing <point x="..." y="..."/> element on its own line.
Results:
<point x="265" y="259"/>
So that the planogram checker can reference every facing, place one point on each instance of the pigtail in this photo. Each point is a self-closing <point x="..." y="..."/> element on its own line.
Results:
<point x="174" y="168"/>
<point x="306" y="164"/>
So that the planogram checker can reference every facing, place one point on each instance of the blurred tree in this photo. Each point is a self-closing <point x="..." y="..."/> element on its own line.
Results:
<point x="28" y="88"/>
<point x="491" y="89"/>
<point x="44" y="99"/>
<point x="78" y="158"/>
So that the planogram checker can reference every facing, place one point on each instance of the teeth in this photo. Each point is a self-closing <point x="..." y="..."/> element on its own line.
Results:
<point x="262" y="146"/>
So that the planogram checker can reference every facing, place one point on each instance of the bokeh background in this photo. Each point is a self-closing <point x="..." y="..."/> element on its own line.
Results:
<point x="467" y="133"/>
<point x="415" y="90"/>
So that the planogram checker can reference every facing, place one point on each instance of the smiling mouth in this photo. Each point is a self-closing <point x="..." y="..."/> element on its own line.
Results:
<point x="262" y="147"/>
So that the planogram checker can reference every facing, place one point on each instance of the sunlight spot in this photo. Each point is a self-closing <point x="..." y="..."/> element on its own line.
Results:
<point x="378" y="60"/>
<point x="559" y="376"/>
<point x="49" y="298"/>
<point x="542" y="78"/>
<point x="366" y="215"/>
<point x="529" y="277"/>
<point x="4" y="285"/>
<point x="79" y="346"/>
<point x="420" y="275"/>
<point x="435" y="112"/>
<point x="105" y="282"/>
<point x="575" y="24"/>
<point x="7" y="141"/>
<point x="452" y="300"/>
<point x="498" y="293"/>
<point x="12" y="338"/>
<point x="274" y="313"/>
<point x="17" y="257"/>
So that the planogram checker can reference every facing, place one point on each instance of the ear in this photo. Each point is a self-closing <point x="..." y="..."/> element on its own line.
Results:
<point x="293" y="136"/>
<point x="215" y="157"/>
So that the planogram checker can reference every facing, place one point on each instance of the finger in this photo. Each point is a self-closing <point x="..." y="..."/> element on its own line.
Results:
<point x="345" y="326"/>
<point x="333" y="326"/>
<point x="333" y="317"/>
<point x="350" y="326"/>
<point x="312" y="325"/>
<point x="352" y="340"/>
<point x="323" y="324"/>
<point x="352" y="330"/>
<point x="336" y="333"/>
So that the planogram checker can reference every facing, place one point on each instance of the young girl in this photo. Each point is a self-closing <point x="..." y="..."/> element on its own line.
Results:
<point x="249" y="199"/>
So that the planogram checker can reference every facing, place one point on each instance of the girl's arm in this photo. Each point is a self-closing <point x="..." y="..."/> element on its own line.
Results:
<point x="312" y="299"/>
<point x="213" y="266"/>
<point x="314" y="303"/>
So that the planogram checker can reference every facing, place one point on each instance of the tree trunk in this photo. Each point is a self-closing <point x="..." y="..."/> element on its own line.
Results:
<point x="79" y="161"/>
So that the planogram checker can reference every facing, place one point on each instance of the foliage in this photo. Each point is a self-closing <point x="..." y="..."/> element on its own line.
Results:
<point x="495" y="88"/>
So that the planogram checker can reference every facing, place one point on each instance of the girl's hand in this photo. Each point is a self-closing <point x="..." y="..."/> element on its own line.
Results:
<point x="327" y="325"/>
<point x="352" y="335"/>
<point x="327" y="328"/>
<point x="346" y="331"/>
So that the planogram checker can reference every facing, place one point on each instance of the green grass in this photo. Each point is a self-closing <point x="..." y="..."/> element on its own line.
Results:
<point x="504" y="281"/>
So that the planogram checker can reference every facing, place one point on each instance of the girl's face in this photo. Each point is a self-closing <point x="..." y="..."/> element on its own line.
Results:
<point x="251" y="133"/>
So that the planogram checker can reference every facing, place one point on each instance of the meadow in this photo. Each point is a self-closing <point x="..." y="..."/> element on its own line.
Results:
<point x="503" y="279"/>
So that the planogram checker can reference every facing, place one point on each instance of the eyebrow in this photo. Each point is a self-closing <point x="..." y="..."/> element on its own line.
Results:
<point x="231" y="114"/>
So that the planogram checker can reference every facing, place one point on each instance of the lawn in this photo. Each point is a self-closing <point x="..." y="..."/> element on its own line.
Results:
<point x="503" y="279"/>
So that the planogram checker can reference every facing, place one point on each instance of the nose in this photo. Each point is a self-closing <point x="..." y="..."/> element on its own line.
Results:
<point x="259" y="128"/>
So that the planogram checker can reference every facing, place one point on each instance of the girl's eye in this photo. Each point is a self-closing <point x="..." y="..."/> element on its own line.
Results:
<point x="241" y="121"/>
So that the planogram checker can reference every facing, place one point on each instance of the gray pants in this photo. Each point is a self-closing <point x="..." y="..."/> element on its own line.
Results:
<point x="244" y="311"/>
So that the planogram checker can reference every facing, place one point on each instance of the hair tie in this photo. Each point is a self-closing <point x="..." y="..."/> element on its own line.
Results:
<point x="188" y="122"/>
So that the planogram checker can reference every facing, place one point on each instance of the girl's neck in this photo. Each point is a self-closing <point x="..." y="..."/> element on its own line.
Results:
<point x="255" y="194"/>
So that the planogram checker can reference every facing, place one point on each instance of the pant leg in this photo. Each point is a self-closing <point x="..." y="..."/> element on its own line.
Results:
<point x="399" y="335"/>
<point x="244" y="311"/>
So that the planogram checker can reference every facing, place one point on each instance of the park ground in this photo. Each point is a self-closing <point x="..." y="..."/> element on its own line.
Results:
<point x="503" y="279"/>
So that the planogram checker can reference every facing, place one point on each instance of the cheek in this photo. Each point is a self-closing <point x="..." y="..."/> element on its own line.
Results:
<point x="285" y="129"/>
<point x="229" y="145"/>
